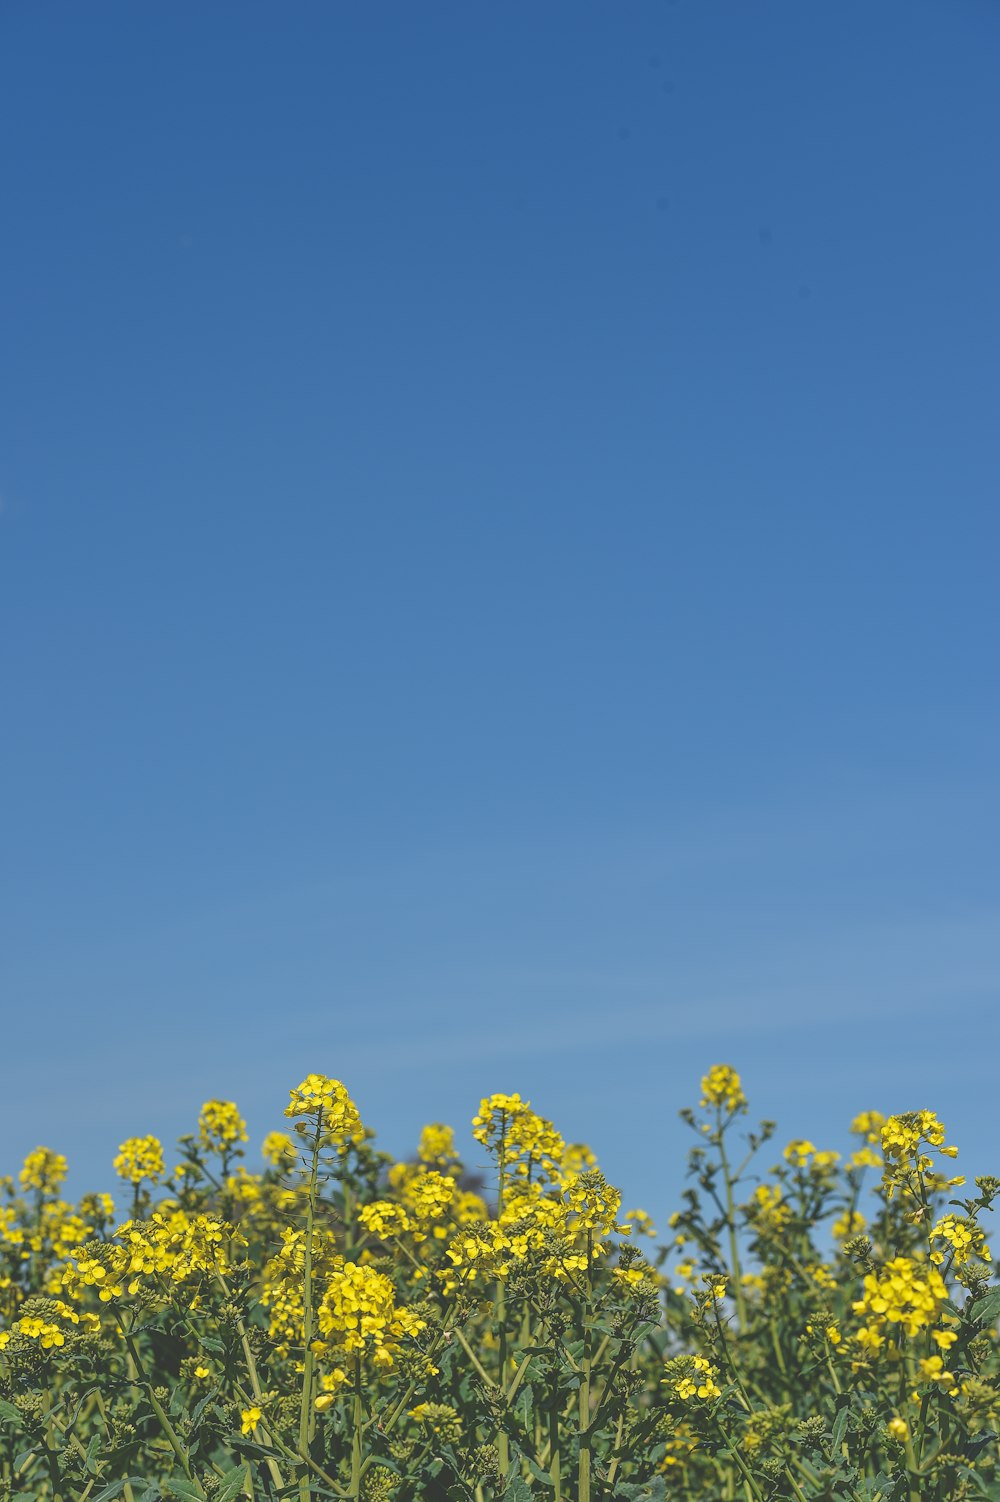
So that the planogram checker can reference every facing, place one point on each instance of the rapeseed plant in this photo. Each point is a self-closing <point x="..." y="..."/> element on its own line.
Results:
<point x="337" y="1324"/>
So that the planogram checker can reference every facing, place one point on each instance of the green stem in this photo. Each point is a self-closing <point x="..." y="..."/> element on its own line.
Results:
<point x="745" y="1469"/>
<point x="168" y="1429"/>
<point x="477" y="1364"/>
<point x="254" y="1376"/>
<point x="734" y="1249"/>
<point x="308" y="1360"/>
<point x="583" y="1422"/>
<point x="555" y="1462"/>
<point x="358" y="1427"/>
<point x="502" y="1438"/>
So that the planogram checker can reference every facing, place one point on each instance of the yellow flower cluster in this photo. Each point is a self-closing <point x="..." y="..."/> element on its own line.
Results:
<point x="768" y="1209"/>
<point x="220" y="1125"/>
<point x="43" y="1170"/>
<point x="282" y="1283"/>
<point x="327" y="1103"/>
<point x="140" y="1158"/>
<point x="525" y="1143"/>
<point x="279" y="1150"/>
<point x="907" y="1164"/>
<point x="428" y="1197"/>
<point x="798" y="1152"/>
<point x="437" y="1145"/>
<point x="965" y="1238"/>
<point x="722" y="1087"/>
<point x="408" y="1283"/>
<point x="171" y="1246"/>
<point x="358" y="1312"/>
<point x="384" y="1219"/>
<point x="38" y="1322"/>
<point x="904" y="1293"/>
<point x="561" y="1228"/>
<point x="695" y="1378"/>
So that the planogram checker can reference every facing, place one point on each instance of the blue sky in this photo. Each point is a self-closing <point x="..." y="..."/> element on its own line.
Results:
<point x="498" y="565"/>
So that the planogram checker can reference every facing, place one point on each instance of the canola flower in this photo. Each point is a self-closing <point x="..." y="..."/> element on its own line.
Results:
<point x="220" y="1125"/>
<point x="140" y="1158"/>
<point x="326" y="1103"/>
<point x="330" y="1321"/>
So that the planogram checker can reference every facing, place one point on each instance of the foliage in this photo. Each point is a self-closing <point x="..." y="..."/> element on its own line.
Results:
<point x="342" y="1325"/>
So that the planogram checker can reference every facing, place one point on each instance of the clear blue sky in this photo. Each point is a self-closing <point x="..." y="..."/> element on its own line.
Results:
<point x="499" y="564"/>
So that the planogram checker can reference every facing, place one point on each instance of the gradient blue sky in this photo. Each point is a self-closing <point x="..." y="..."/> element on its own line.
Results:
<point x="499" y="564"/>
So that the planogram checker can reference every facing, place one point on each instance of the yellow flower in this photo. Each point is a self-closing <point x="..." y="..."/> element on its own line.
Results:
<point x="359" y="1311"/>
<point x="798" y="1152"/>
<point x="964" y="1237"/>
<point x="330" y="1382"/>
<point x="43" y="1170"/>
<point x="140" y="1158"/>
<point x="577" y="1158"/>
<point x="429" y="1195"/>
<point x="384" y="1218"/>
<point x="527" y="1144"/>
<point x="694" y="1378"/>
<point x="327" y="1102"/>
<point x="869" y="1126"/>
<point x="903" y="1293"/>
<point x="278" y="1149"/>
<point x="899" y="1429"/>
<point x="722" y="1087"/>
<point x="850" y="1223"/>
<point x="249" y="1419"/>
<point x="640" y="1221"/>
<point x="201" y="1372"/>
<point x="933" y="1369"/>
<point x="220" y="1125"/>
<point x="437" y="1144"/>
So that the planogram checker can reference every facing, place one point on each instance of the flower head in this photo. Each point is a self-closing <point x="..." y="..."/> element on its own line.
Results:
<point x="140" y="1158"/>
<point x="722" y="1087"/>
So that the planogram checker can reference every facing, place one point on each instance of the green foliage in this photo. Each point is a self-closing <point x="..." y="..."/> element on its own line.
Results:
<point x="338" y="1325"/>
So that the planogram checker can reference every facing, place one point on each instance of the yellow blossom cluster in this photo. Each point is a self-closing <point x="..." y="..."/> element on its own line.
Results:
<point x="220" y="1125"/>
<point x="693" y="1377"/>
<point x="140" y="1158"/>
<point x="908" y="1164"/>
<point x="326" y="1102"/>
<point x="437" y="1145"/>
<point x="524" y="1142"/>
<point x="279" y="1150"/>
<point x="348" y="1319"/>
<point x="171" y="1246"/>
<point x="723" y="1088"/>
<point x="903" y="1293"/>
<point x="868" y="1125"/>
<point x="359" y="1313"/>
<point x="43" y="1170"/>
<point x="963" y="1236"/>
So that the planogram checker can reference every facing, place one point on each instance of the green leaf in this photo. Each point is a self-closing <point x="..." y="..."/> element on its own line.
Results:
<point x="151" y="1494"/>
<point x="9" y="1414"/>
<point x="516" y="1489"/>
<point x="984" y="1487"/>
<point x="90" y="1459"/>
<point x="231" y="1483"/>
<point x="985" y="1310"/>
<point x="643" y="1491"/>
<point x="182" y="1487"/>
<point x="840" y="1426"/>
<point x="115" y="1488"/>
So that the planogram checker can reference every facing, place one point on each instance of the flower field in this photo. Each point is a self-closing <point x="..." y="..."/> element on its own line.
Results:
<point x="339" y="1324"/>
